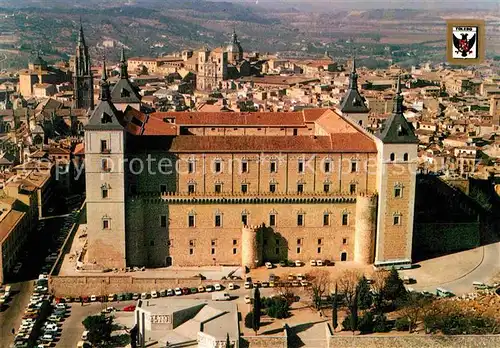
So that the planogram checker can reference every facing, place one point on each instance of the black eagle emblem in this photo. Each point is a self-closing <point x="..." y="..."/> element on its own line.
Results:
<point x="464" y="45"/>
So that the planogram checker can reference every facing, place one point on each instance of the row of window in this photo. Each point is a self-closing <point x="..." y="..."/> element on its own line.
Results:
<point x="106" y="222"/>
<point x="273" y="220"/>
<point x="217" y="167"/>
<point x="392" y="157"/>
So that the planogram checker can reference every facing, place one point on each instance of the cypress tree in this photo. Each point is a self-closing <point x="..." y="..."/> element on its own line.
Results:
<point x="228" y="342"/>
<point x="256" y="311"/>
<point x="335" y="310"/>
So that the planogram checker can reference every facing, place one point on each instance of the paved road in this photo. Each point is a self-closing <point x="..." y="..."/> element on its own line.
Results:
<point x="10" y="318"/>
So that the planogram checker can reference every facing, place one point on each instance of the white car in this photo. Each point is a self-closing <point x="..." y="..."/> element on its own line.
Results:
<point x="319" y="262"/>
<point x="298" y="263"/>
<point x="144" y="296"/>
<point x="248" y="285"/>
<point x="93" y="298"/>
<point x="61" y="305"/>
<point x="230" y="286"/>
<point x="154" y="294"/>
<point x="248" y="299"/>
<point x="178" y="292"/>
<point x="269" y="265"/>
<point x="312" y="263"/>
<point x="217" y="287"/>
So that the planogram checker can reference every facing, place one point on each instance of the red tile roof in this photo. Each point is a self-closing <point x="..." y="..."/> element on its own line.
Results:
<point x="211" y="119"/>
<point x="302" y="144"/>
<point x="159" y="127"/>
<point x="311" y="115"/>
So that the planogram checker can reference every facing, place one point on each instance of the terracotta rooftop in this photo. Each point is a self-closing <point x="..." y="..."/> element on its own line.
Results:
<point x="8" y="222"/>
<point x="340" y="142"/>
<point x="212" y="119"/>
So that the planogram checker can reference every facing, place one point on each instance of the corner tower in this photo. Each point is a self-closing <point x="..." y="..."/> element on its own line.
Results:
<point x="124" y="93"/>
<point x="105" y="182"/>
<point x="83" y="83"/>
<point x="353" y="104"/>
<point x="396" y="179"/>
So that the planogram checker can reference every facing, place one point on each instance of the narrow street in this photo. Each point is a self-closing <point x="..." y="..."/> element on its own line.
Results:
<point x="10" y="317"/>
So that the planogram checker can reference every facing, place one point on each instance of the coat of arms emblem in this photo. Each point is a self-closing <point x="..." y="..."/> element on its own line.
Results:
<point x="465" y="42"/>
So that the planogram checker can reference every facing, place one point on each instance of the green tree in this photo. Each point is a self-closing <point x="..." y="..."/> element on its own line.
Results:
<point x="366" y="323"/>
<point x="99" y="328"/>
<point x="364" y="295"/>
<point x="335" y="309"/>
<point x="394" y="288"/>
<point x="256" y="311"/>
<point x="249" y="320"/>
<point x="380" y="324"/>
<point x="228" y="342"/>
<point x="278" y="308"/>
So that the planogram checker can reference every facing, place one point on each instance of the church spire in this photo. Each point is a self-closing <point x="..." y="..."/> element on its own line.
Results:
<point x="123" y="65"/>
<point x="81" y="38"/>
<point x="398" y="100"/>
<point x="105" y="91"/>
<point x="353" y="76"/>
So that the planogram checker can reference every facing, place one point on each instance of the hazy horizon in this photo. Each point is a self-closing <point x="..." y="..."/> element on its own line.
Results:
<point x="373" y="4"/>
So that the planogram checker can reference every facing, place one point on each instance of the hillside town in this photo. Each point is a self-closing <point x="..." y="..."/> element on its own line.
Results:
<point x="265" y="116"/>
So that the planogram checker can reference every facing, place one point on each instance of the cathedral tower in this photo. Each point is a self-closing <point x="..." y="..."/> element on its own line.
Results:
<point x="83" y="84"/>
<point x="396" y="179"/>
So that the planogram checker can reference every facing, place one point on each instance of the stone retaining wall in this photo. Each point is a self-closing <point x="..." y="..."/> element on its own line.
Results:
<point x="278" y="341"/>
<point x="414" y="341"/>
<point x="61" y="286"/>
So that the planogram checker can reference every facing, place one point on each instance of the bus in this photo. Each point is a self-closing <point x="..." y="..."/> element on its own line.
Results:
<point x="444" y="293"/>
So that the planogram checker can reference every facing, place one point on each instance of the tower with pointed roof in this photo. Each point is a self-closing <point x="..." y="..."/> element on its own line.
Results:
<point x="105" y="181"/>
<point x="124" y="93"/>
<point x="397" y="147"/>
<point x="83" y="84"/>
<point x="234" y="49"/>
<point x="353" y="104"/>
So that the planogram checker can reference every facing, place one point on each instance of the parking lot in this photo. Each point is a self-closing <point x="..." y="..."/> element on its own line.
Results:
<point x="24" y="314"/>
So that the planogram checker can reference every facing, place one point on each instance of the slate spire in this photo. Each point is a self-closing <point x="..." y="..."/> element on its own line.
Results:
<point x="123" y="65"/>
<point x="105" y="92"/>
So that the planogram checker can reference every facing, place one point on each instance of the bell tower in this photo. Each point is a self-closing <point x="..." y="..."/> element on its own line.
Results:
<point x="353" y="104"/>
<point x="397" y="148"/>
<point x="83" y="82"/>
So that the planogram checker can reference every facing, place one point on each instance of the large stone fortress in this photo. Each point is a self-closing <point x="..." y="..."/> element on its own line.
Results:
<point x="227" y="188"/>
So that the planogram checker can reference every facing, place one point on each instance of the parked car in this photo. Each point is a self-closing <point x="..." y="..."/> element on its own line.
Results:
<point x="93" y="298"/>
<point x="319" y="263"/>
<point x="230" y="286"/>
<point x="265" y="284"/>
<point x="201" y="288"/>
<point x="163" y="293"/>
<point x="248" y="299"/>
<point x="130" y="308"/>
<point x="300" y="276"/>
<point x="218" y="287"/>
<point x="170" y="292"/>
<point x="283" y="263"/>
<point x="178" y="292"/>
<point x="269" y="265"/>
<point x="135" y="296"/>
<point x="193" y="290"/>
<point x="185" y="291"/>
<point x="221" y="296"/>
<point x="312" y="263"/>
<point x="209" y="288"/>
<point x="248" y="285"/>
<point x="144" y="296"/>
<point x="154" y="294"/>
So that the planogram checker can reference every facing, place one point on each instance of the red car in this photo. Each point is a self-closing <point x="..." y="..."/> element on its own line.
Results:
<point x="130" y="308"/>
<point x="185" y="291"/>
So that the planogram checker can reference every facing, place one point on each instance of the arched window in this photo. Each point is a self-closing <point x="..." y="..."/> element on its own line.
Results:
<point x="405" y="157"/>
<point x="393" y="157"/>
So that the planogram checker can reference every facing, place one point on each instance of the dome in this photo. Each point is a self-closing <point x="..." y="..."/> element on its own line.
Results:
<point x="233" y="48"/>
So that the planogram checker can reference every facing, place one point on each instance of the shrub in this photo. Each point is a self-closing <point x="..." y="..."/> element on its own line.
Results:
<point x="249" y="320"/>
<point x="366" y="323"/>
<point x="380" y="324"/>
<point x="402" y="324"/>
<point x="346" y="324"/>
<point x="278" y="308"/>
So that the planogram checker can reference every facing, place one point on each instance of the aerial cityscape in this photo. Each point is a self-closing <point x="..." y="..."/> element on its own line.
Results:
<point x="218" y="174"/>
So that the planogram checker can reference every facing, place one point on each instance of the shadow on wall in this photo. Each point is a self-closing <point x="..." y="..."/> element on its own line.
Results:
<point x="447" y="220"/>
<point x="275" y="246"/>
